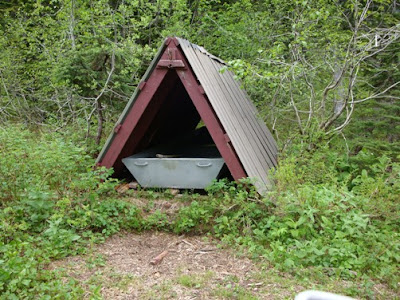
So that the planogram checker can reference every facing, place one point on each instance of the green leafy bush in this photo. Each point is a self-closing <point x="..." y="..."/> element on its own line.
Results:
<point x="347" y="227"/>
<point x="51" y="205"/>
<point x="327" y="211"/>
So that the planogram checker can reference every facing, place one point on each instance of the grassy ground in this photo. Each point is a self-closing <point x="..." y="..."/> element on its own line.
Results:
<point x="196" y="267"/>
<point x="68" y="231"/>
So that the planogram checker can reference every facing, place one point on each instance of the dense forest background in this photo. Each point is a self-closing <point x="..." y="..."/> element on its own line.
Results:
<point x="324" y="75"/>
<point x="311" y="67"/>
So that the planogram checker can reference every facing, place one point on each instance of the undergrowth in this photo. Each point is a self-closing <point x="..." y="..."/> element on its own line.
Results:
<point x="52" y="204"/>
<point x="336" y="214"/>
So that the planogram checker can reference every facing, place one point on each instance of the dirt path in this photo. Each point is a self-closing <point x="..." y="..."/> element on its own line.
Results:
<point x="194" y="268"/>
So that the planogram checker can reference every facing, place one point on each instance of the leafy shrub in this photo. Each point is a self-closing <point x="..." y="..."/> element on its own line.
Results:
<point x="51" y="205"/>
<point x="322" y="226"/>
<point x="195" y="217"/>
<point x="311" y="222"/>
<point x="336" y="213"/>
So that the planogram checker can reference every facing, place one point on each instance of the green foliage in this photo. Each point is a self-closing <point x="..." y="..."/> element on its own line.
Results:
<point x="78" y="62"/>
<point x="347" y="227"/>
<point x="329" y="211"/>
<point x="325" y="227"/>
<point x="59" y="55"/>
<point x="288" y="52"/>
<point x="51" y="206"/>
<point x="194" y="217"/>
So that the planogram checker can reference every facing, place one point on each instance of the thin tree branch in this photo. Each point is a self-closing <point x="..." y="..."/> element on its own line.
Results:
<point x="377" y="95"/>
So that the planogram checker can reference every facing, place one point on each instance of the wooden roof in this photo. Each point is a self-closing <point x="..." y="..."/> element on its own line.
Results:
<point x="250" y="136"/>
<point x="247" y="134"/>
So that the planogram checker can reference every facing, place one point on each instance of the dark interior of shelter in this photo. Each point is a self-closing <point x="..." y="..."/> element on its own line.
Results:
<point x="171" y="128"/>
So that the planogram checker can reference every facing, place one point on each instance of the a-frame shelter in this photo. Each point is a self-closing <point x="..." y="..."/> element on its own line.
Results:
<point x="183" y="85"/>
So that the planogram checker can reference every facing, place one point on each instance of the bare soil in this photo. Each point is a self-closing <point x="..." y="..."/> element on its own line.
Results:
<point x="194" y="268"/>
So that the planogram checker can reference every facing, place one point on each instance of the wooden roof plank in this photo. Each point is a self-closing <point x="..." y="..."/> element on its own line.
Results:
<point x="251" y="142"/>
<point x="237" y="116"/>
<point x="211" y="90"/>
<point x="258" y="133"/>
<point x="252" y="168"/>
<point x="240" y="133"/>
<point x="253" y="110"/>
